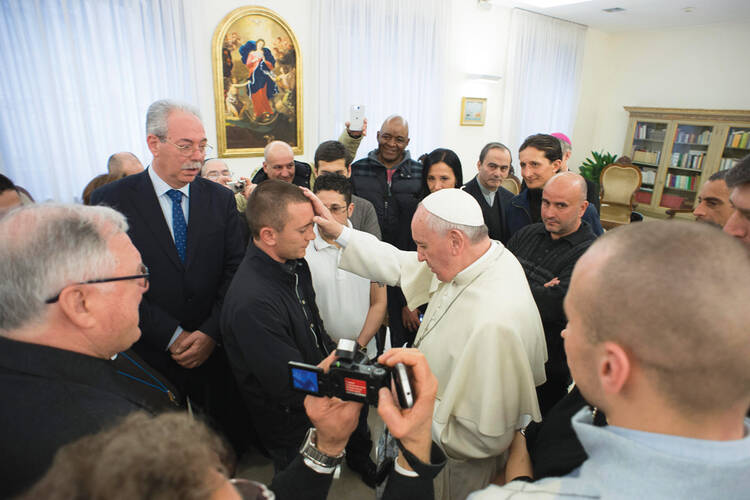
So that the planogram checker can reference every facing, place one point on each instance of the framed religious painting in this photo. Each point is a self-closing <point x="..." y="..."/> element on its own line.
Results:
<point x="473" y="110"/>
<point x="257" y="83"/>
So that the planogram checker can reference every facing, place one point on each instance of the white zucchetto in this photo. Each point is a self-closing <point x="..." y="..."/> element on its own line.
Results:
<point x="455" y="206"/>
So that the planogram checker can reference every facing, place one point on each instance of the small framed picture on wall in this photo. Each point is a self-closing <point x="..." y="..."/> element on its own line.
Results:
<point x="473" y="110"/>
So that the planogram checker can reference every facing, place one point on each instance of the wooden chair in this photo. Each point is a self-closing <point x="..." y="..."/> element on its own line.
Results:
<point x="618" y="183"/>
<point x="511" y="185"/>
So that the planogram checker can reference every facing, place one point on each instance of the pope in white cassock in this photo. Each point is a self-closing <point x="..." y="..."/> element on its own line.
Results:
<point x="481" y="332"/>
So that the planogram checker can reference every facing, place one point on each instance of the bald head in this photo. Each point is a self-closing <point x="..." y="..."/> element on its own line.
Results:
<point x="124" y="163"/>
<point x="674" y="295"/>
<point x="393" y="137"/>
<point x="563" y="204"/>
<point x="279" y="161"/>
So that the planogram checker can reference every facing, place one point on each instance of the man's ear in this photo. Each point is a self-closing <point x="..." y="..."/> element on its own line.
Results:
<point x="153" y="144"/>
<point x="456" y="240"/>
<point x="556" y="165"/>
<point x="265" y="168"/>
<point x="268" y="236"/>
<point x="583" y="207"/>
<point x="350" y="210"/>
<point x="615" y="367"/>
<point x="76" y="303"/>
<point x="479" y="165"/>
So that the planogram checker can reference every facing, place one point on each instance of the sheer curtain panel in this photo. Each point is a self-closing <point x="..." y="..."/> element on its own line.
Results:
<point x="545" y="57"/>
<point x="387" y="55"/>
<point x="78" y="77"/>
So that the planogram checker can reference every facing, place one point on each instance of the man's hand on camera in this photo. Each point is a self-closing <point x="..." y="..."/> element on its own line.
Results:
<point x="412" y="426"/>
<point x="329" y="226"/>
<point x="334" y="419"/>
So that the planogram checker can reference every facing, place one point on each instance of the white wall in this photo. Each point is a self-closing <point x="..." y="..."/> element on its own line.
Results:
<point x="477" y="44"/>
<point x="696" y="67"/>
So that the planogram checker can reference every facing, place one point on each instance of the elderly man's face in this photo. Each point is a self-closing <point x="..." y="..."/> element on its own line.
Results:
<point x="217" y="171"/>
<point x="432" y="248"/>
<point x="738" y="224"/>
<point x="117" y="303"/>
<point x="280" y="164"/>
<point x="179" y="157"/>
<point x="713" y="203"/>
<point x="393" y="138"/>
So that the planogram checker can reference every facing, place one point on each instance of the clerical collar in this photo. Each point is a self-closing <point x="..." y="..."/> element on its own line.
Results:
<point x="488" y="195"/>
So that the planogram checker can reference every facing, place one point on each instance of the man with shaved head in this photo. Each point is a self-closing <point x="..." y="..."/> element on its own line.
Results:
<point x="657" y="339"/>
<point x="279" y="163"/>
<point x="481" y="332"/>
<point x="548" y="251"/>
<point x="125" y="163"/>
<point x="390" y="180"/>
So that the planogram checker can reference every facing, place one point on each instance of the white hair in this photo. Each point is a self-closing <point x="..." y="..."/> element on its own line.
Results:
<point x="474" y="234"/>
<point x="44" y="248"/>
<point x="158" y="112"/>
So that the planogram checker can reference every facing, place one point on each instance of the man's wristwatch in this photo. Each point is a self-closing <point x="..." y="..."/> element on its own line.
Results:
<point x="309" y="451"/>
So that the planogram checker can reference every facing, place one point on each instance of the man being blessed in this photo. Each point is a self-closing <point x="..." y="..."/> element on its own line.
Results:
<point x="481" y="332"/>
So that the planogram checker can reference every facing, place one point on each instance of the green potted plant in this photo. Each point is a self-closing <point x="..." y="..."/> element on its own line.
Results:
<point x="592" y="167"/>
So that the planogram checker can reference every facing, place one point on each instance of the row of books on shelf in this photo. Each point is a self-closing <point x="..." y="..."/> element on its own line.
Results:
<point x="684" y="137"/>
<point x="642" y="131"/>
<point x="686" y="182"/>
<point x="739" y="139"/>
<point x="727" y="163"/>
<point x="691" y="159"/>
<point x="643" y="156"/>
<point x="648" y="176"/>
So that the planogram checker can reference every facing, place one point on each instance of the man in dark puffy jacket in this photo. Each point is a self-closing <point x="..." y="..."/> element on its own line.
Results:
<point x="390" y="180"/>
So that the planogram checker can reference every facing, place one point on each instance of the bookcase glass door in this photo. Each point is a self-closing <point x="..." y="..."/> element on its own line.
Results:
<point x="648" y="142"/>
<point x="736" y="147"/>
<point x="685" y="166"/>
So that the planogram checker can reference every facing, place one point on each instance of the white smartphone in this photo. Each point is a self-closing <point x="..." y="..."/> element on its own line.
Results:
<point x="356" y="117"/>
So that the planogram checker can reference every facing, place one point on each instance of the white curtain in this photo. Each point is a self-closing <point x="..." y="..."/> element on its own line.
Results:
<point x="543" y="75"/>
<point x="387" y="55"/>
<point x="77" y="79"/>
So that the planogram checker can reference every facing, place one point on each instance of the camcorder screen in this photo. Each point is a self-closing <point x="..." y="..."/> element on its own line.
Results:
<point x="355" y="386"/>
<point x="305" y="380"/>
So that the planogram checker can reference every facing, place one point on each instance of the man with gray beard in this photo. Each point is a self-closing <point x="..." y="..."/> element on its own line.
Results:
<point x="188" y="233"/>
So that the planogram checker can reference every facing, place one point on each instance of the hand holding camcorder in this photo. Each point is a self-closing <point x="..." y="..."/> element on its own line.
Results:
<point x="351" y="377"/>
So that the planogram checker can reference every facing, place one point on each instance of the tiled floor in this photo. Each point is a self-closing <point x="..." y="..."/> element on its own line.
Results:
<point x="348" y="487"/>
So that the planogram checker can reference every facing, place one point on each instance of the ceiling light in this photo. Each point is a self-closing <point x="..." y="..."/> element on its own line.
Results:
<point x="614" y="9"/>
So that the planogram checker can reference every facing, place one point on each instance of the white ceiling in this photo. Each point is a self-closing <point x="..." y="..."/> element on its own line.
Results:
<point x="644" y="14"/>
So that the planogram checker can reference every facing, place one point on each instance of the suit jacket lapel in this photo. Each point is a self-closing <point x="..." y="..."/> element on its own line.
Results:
<point x="199" y="202"/>
<point x="148" y="207"/>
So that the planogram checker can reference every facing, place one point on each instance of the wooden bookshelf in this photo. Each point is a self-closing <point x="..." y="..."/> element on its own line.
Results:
<point x="677" y="151"/>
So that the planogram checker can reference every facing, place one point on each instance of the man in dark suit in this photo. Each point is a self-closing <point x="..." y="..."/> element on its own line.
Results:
<point x="188" y="233"/>
<point x="71" y="284"/>
<point x="486" y="187"/>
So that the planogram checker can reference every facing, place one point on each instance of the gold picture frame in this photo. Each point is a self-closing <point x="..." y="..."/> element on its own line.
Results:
<point x="473" y="111"/>
<point x="257" y="68"/>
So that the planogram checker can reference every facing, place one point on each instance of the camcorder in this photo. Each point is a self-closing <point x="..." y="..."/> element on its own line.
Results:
<point x="352" y="377"/>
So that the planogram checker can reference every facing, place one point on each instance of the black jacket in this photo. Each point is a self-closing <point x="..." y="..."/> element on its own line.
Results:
<point x="494" y="216"/>
<point x="51" y="397"/>
<point x="394" y="204"/>
<point x="270" y="318"/>
<point x="302" y="173"/>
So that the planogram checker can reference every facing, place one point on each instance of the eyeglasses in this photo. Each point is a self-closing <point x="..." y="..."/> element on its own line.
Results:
<point x="216" y="175"/>
<point x="143" y="276"/>
<point x="188" y="149"/>
<point x="336" y="209"/>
